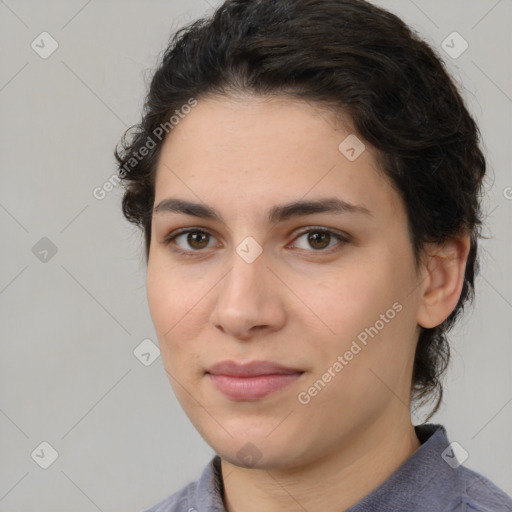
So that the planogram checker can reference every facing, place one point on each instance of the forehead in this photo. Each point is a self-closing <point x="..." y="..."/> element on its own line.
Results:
<point x="266" y="150"/>
<point x="255" y="126"/>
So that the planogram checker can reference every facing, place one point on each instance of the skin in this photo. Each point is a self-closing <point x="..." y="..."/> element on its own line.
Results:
<point x="298" y="304"/>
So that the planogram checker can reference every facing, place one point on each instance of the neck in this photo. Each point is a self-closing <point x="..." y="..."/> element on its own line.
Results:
<point x="334" y="482"/>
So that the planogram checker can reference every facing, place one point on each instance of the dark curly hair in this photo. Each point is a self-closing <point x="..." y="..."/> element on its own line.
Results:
<point x="355" y="59"/>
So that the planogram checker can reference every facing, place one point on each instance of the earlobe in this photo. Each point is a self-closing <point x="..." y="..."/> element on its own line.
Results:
<point x="445" y="268"/>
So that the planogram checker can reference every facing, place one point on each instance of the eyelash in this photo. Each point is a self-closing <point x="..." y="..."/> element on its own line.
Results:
<point x="193" y="253"/>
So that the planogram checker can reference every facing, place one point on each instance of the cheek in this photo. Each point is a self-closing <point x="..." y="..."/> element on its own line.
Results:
<point x="160" y="296"/>
<point x="365" y="308"/>
<point x="177" y="310"/>
<point x="165" y="307"/>
<point x="376" y="330"/>
<point x="353" y="298"/>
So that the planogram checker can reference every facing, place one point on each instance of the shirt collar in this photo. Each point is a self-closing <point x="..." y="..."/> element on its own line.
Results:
<point x="412" y="484"/>
<point x="415" y="484"/>
<point x="210" y="490"/>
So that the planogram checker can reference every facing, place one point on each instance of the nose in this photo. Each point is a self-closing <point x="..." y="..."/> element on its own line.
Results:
<point x="249" y="302"/>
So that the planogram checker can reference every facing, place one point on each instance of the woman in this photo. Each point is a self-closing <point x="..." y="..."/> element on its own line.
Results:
<point x="308" y="179"/>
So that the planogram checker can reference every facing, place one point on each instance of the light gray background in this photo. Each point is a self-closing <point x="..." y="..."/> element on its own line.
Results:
<point x="69" y="325"/>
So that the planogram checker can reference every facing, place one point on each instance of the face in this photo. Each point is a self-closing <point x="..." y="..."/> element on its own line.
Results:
<point x="327" y="295"/>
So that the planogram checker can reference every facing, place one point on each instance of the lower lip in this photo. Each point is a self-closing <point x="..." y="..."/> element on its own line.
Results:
<point x="252" y="388"/>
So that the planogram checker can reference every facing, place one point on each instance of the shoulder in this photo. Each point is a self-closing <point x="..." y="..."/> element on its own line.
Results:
<point x="479" y="494"/>
<point x="433" y="478"/>
<point x="177" y="502"/>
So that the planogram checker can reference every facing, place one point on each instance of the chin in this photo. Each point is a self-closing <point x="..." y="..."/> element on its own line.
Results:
<point x="251" y="457"/>
<point x="257" y="451"/>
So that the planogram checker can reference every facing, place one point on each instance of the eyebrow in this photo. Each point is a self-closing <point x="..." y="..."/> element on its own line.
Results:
<point x="276" y="214"/>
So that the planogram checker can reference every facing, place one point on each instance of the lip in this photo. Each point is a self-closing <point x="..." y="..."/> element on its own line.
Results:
<point x="250" y="369"/>
<point x="251" y="381"/>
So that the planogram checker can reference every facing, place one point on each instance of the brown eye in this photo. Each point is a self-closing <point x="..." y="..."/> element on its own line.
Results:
<point x="196" y="239"/>
<point x="320" y="239"/>
<point x="188" y="241"/>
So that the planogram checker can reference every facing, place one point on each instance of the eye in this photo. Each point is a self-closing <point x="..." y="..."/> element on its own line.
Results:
<point x="195" y="238"/>
<point x="320" y="239"/>
<point x="191" y="241"/>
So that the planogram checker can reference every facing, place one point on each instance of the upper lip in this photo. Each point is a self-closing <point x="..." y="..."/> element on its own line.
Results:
<point x="249" y="369"/>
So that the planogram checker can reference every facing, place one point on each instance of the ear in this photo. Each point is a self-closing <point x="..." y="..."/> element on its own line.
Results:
<point x="441" y="288"/>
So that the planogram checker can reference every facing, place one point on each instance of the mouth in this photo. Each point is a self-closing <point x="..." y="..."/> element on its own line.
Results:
<point x="251" y="381"/>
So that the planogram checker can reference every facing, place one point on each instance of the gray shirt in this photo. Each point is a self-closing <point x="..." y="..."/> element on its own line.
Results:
<point x="431" y="480"/>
